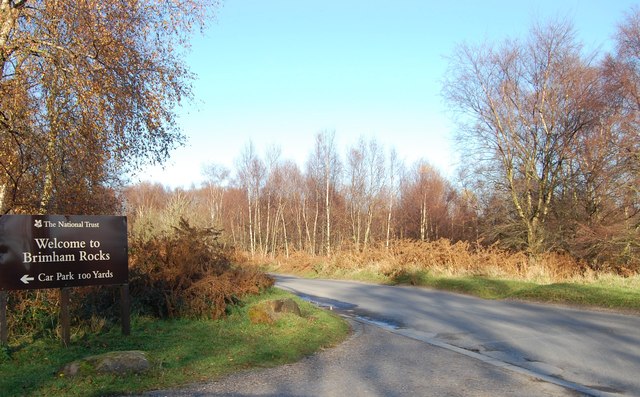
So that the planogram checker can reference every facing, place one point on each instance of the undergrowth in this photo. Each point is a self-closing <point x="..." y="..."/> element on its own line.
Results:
<point x="440" y="257"/>
<point x="486" y="272"/>
<point x="188" y="274"/>
<point x="184" y="273"/>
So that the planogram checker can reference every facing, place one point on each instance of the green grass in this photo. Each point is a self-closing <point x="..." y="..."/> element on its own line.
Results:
<point x="613" y="294"/>
<point x="604" y="291"/>
<point x="180" y="351"/>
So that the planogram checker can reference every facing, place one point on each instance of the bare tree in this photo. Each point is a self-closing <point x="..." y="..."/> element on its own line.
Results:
<point x="356" y="190"/>
<point x="605" y="172"/>
<point x="324" y="169"/>
<point x="272" y="160"/>
<point x="522" y="107"/>
<point x="366" y="171"/>
<point x="624" y="73"/>
<point x="286" y="185"/>
<point x="424" y="199"/>
<point x="393" y="190"/>
<point x="216" y="180"/>
<point x="252" y="176"/>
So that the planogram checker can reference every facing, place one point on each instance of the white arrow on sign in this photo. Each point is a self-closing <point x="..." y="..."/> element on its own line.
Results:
<point x="25" y="279"/>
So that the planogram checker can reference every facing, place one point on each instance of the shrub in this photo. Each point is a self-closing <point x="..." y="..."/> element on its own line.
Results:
<point x="32" y="313"/>
<point x="188" y="273"/>
<point x="183" y="273"/>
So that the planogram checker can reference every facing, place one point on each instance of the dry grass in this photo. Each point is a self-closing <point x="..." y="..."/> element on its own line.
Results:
<point x="440" y="258"/>
<point x="486" y="272"/>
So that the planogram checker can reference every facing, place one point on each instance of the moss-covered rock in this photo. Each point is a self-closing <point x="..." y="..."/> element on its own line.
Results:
<point x="119" y="363"/>
<point x="269" y="312"/>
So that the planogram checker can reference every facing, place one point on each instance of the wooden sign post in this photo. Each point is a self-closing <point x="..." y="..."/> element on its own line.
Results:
<point x="125" y="309"/>
<point x="4" y="334"/>
<point x="65" y="322"/>
<point x="63" y="251"/>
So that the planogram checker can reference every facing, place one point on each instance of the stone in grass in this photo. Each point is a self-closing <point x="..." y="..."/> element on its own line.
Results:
<point x="118" y="363"/>
<point x="270" y="311"/>
<point x="287" y="305"/>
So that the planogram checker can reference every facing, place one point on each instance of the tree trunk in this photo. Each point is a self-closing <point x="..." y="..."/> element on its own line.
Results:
<point x="388" y="232"/>
<point x="328" y="209"/>
<point x="251" y="232"/>
<point x="284" y="233"/>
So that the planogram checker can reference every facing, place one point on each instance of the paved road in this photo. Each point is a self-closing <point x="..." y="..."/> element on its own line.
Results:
<point x="375" y="362"/>
<point x="593" y="352"/>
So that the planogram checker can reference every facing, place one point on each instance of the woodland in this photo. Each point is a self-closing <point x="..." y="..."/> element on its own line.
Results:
<point x="549" y="131"/>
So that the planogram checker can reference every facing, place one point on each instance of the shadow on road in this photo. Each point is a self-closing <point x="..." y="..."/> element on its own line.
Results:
<point x="599" y="352"/>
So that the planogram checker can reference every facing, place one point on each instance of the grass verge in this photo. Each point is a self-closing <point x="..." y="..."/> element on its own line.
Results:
<point x="608" y="291"/>
<point x="614" y="295"/>
<point x="180" y="351"/>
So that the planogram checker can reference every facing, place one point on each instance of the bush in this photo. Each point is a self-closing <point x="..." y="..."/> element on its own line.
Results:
<point x="188" y="274"/>
<point x="32" y="313"/>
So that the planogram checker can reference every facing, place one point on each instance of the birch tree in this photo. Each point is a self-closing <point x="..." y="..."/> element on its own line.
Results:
<point x="324" y="169"/>
<point x="522" y="107"/>
<point x="216" y="179"/>
<point x="89" y="91"/>
<point x="366" y="174"/>
<point x="252" y="177"/>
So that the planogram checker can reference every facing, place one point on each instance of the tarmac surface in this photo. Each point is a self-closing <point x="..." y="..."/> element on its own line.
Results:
<point x="377" y="362"/>
<point x="411" y="341"/>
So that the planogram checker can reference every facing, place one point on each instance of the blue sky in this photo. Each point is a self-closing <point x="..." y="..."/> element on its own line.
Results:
<point x="277" y="72"/>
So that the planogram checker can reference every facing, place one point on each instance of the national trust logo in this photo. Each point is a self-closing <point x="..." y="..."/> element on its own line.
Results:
<point x="37" y="223"/>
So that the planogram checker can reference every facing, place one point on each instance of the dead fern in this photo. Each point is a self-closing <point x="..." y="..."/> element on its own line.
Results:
<point x="188" y="274"/>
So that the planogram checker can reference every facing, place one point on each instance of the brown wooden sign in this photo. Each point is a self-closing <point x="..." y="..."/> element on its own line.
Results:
<point x="58" y="251"/>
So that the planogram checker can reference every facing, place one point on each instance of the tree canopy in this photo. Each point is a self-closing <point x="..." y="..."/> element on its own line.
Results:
<point x="89" y="90"/>
<point x="554" y="131"/>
